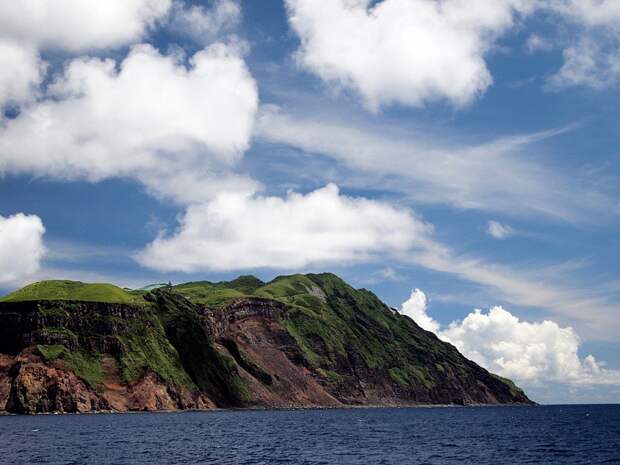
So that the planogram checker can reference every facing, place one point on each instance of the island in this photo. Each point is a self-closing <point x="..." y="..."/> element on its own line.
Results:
<point x="299" y="341"/>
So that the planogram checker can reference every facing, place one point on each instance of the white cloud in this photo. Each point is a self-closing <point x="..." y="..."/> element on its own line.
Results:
<point x="499" y="175"/>
<point x="408" y="52"/>
<point x="415" y="308"/>
<point x="205" y="24"/>
<point x="235" y="232"/>
<point x="389" y="273"/>
<point x="77" y="25"/>
<point x="21" y="70"/>
<point x="413" y="52"/>
<point x="536" y="43"/>
<point x="176" y="128"/>
<point x="588" y="12"/>
<point x="592" y="56"/>
<point x="499" y="230"/>
<point x="526" y="352"/>
<point x="586" y="63"/>
<point x="529" y="353"/>
<point x="28" y="26"/>
<point x="21" y="246"/>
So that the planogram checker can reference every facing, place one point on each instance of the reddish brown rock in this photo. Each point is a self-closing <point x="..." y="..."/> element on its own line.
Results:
<point x="37" y="388"/>
<point x="6" y="362"/>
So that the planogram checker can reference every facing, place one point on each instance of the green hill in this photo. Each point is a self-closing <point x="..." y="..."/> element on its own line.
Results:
<point x="296" y="341"/>
<point x="330" y="320"/>
<point x="218" y="294"/>
<point x="72" y="290"/>
<point x="287" y="289"/>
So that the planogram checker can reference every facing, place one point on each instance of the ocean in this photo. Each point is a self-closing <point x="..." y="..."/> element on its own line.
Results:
<point x="578" y="434"/>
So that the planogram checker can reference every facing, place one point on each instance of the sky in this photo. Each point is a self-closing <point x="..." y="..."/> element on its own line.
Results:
<point x="459" y="159"/>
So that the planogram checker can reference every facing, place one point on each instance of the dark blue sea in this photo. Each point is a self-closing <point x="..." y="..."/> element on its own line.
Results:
<point x="479" y="435"/>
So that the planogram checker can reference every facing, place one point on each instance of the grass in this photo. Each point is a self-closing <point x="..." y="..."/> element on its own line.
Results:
<point x="332" y="376"/>
<point x="209" y="294"/>
<point x="286" y="287"/>
<point x="86" y="366"/>
<point x="146" y="347"/>
<point x="215" y="295"/>
<point x="51" y="352"/>
<point x="59" y="335"/>
<point x="165" y="337"/>
<point x="514" y="389"/>
<point x="73" y="290"/>
<point x="212" y="372"/>
<point x="148" y="350"/>
<point x="330" y="321"/>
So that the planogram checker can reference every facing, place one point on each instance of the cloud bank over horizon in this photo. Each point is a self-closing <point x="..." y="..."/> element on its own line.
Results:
<point x="530" y="353"/>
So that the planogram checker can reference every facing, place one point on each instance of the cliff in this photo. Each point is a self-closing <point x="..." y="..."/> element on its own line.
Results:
<point x="298" y="341"/>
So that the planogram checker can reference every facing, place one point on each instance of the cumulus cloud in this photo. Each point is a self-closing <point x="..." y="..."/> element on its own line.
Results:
<point x="526" y="352"/>
<point x="21" y="246"/>
<point x="408" y="52"/>
<point x="592" y="57"/>
<point x="498" y="230"/>
<point x="322" y="227"/>
<point x="412" y="52"/>
<point x="415" y="308"/>
<point x="79" y="24"/>
<point x="29" y="26"/>
<point x="588" y="63"/>
<point x="589" y="12"/>
<point x="205" y="24"/>
<point x="176" y="128"/>
<point x="21" y="71"/>
<point x="529" y="353"/>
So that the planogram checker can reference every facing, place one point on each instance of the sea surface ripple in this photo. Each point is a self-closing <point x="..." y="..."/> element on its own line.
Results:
<point x="584" y="434"/>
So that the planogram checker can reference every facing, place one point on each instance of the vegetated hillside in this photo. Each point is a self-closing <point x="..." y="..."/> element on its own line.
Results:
<point x="297" y="341"/>
<point x="72" y="290"/>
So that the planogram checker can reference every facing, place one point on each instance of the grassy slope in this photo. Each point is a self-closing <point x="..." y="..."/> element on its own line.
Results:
<point x="212" y="372"/>
<point x="343" y="321"/>
<point x="72" y="290"/>
<point x="84" y="365"/>
<point x="329" y="318"/>
<point x="142" y="338"/>
<point x="165" y="336"/>
<point x="218" y="294"/>
<point x="355" y="321"/>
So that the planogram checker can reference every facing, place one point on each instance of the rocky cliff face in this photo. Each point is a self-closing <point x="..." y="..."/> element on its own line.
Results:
<point x="60" y="356"/>
<point x="296" y="342"/>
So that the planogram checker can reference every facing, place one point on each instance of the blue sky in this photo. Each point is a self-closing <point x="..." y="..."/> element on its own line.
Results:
<point x="467" y="152"/>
